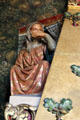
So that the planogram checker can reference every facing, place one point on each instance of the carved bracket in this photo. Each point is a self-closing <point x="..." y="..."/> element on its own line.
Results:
<point x="19" y="112"/>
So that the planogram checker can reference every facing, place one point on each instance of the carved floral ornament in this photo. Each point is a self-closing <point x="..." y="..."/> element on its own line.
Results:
<point x="73" y="18"/>
<point x="59" y="109"/>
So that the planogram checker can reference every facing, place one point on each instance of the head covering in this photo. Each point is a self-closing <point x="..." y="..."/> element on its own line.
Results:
<point x="28" y="34"/>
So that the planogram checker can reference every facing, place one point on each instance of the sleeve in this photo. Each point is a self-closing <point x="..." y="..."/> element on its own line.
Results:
<point x="51" y="42"/>
<point x="19" y="60"/>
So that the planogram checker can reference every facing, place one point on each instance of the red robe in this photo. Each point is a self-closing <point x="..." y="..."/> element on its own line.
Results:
<point x="29" y="73"/>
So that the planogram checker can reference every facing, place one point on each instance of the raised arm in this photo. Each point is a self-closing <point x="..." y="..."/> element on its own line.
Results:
<point x="51" y="42"/>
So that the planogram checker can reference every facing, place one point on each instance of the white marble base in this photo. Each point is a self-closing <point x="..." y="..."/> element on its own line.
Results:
<point x="32" y="100"/>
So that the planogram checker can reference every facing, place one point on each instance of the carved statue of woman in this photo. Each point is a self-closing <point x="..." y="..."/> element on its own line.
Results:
<point x="28" y="75"/>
